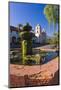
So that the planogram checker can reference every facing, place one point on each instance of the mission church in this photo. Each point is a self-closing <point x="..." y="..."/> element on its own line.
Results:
<point x="39" y="34"/>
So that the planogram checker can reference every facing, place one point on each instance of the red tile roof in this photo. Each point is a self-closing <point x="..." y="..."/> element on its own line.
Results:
<point x="12" y="28"/>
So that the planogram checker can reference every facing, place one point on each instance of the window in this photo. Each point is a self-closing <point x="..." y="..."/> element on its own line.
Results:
<point x="37" y="31"/>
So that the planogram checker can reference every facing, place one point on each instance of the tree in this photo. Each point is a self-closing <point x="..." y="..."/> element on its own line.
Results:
<point x="52" y="14"/>
<point x="47" y="12"/>
<point x="56" y="40"/>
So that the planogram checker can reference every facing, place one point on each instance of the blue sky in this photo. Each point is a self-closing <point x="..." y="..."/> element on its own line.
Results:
<point x="21" y="13"/>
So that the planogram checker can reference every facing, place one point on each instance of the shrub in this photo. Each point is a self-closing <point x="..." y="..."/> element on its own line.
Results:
<point x="32" y="59"/>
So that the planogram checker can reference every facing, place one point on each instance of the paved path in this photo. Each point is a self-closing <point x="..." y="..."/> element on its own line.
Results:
<point x="48" y="68"/>
<point x="46" y="48"/>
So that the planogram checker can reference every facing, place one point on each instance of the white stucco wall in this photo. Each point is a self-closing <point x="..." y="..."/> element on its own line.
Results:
<point x="15" y="34"/>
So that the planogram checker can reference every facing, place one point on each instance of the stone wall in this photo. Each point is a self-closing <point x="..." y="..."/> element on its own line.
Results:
<point x="21" y="81"/>
<point x="16" y="81"/>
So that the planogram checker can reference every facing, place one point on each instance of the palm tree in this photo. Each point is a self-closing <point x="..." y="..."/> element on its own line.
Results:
<point x="47" y="12"/>
<point x="52" y="15"/>
<point x="56" y="40"/>
<point x="55" y="11"/>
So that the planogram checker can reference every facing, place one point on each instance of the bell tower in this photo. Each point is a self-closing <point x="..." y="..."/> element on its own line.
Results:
<point x="37" y="30"/>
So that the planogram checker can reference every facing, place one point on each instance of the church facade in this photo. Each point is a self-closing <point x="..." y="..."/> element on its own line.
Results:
<point x="40" y="35"/>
